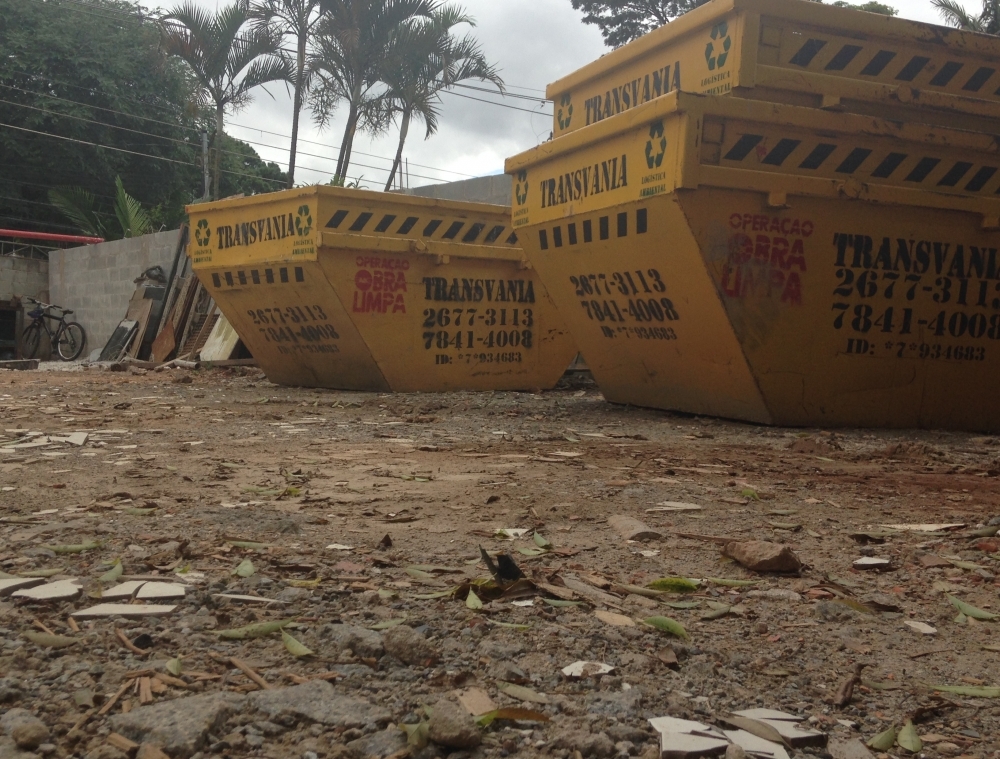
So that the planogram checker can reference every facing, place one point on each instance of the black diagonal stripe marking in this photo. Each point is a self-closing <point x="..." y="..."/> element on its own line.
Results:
<point x="361" y="221"/>
<point x="889" y="164"/>
<point x="543" y="239"/>
<point x="588" y="230"/>
<point x="385" y="223"/>
<point x="431" y="227"/>
<point x="512" y="240"/>
<point x="946" y="74"/>
<point x="571" y="232"/>
<point x="853" y="161"/>
<point x="242" y="277"/>
<point x="623" y="224"/>
<point x="914" y="67"/>
<point x="641" y="221"/>
<point x="743" y="146"/>
<point x="924" y="167"/>
<point x="216" y="280"/>
<point x="453" y="230"/>
<point x="818" y="155"/>
<point x="473" y="232"/>
<point x="407" y="225"/>
<point x="229" y="278"/>
<point x="300" y="275"/>
<point x="977" y="80"/>
<point x="495" y="233"/>
<point x="955" y="173"/>
<point x="879" y="62"/>
<point x="255" y="276"/>
<point x="336" y="219"/>
<point x="807" y="52"/>
<point x="781" y="151"/>
<point x="980" y="178"/>
<point x="844" y="56"/>
<point x="557" y="236"/>
<point x="603" y="224"/>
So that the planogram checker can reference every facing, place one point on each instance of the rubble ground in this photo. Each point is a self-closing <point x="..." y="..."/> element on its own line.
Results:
<point x="351" y="518"/>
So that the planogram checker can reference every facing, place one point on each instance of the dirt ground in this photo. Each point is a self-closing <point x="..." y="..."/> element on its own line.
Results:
<point x="348" y="492"/>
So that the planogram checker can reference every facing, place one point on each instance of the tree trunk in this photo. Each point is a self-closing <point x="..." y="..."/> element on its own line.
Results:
<point x="404" y="127"/>
<point x="220" y="112"/>
<point x="301" y="63"/>
<point x="347" y="144"/>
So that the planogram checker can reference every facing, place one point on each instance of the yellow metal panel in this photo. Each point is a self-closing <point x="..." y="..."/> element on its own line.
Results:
<point x="395" y="293"/>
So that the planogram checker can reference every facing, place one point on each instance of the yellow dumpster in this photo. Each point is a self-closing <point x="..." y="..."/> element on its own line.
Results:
<point x="796" y="52"/>
<point x="774" y="263"/>
<point x="349" y="289"/>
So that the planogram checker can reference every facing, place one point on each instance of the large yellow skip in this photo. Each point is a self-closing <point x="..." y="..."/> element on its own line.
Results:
<point x="796" y="52"/>
<point x="774" y="263"/>
<point x="360" y="290"/>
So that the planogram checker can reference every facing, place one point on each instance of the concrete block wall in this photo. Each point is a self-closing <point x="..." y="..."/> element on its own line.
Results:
<point x="494" y="189"/>
<point x="96" y="281"/>
<point x="23" y="276"/>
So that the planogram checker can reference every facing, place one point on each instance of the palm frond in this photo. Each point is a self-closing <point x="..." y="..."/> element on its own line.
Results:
<point x="133" y="219"/>
<point x="79" y="206"/>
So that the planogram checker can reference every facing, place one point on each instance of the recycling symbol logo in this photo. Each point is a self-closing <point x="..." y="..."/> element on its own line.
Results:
<point x="303" y="221"/>
<point x="521" y="189"/>
<point x="565" y="113"/>
<point x="203" y="234"/>
<point x="716" y="58"/>
<point x="657" y="142"/>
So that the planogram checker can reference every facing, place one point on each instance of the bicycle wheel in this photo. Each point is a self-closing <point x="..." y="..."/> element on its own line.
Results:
<point x="31" y="340"/>
<point x="71" y="341"/>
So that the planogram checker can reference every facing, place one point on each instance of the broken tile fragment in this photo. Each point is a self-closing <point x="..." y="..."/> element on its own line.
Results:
<point x="53" y="591"/>
<point x="123" y="610"/>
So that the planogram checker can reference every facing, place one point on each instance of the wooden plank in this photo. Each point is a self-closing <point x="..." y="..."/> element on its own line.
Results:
<point x="143" y="311"/>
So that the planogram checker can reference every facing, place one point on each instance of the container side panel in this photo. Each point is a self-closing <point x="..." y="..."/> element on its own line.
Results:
<point x="633" y="287"/>
<point x="851" y="313"/>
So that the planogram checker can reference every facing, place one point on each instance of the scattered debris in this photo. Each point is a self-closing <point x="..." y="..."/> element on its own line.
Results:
<point x="633" y="529"/>
<point x="761" y="556"/>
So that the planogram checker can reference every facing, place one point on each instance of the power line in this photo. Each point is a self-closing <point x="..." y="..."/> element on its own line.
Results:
<point x="492" y="102"/>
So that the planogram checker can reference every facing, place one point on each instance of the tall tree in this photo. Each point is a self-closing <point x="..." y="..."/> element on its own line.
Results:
<point x="622" y="21"/>
<point x="228" y="56"/>
<point x="353" y="44"/>
<point x="427" y="58"/>
<point x="987" y="21"/>
<point x="297" y="21"/>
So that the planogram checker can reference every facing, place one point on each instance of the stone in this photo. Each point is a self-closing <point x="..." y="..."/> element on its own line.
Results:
<point x="596" y="745"/>
<point x="362" y="642"/>
<point x="632" y="529"/>
<point x="25" y="728"/>
<point x="408" y="646"/>
<point x="9" y="750"/>
<point x="734" y="751"/>
<point x="762" y="556"/>
<point x="852" y="748"/>
<point x="179" y="727"/>
<point x="378" y="745"/>
<point x="619" y="704"/>
<point x="317" y="701"/>
<point x="149" y="751"/>
<point x="106" y="752"/>
<point x="453" y="727"/>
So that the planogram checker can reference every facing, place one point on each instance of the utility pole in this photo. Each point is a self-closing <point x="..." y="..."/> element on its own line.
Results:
<point x="204" y="158"/>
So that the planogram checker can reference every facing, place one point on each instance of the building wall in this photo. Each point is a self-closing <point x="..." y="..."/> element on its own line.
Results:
<point x="494" y="189"/>
<point x="23" y="276"/>
<point x="96" y="281"/>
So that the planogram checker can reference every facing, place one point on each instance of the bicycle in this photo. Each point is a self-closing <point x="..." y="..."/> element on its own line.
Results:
<point x="69" y="338"/>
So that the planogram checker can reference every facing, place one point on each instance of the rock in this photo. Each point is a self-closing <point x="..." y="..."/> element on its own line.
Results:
<point x="106" y="752"/>
<point x="832" y="611"/>
<point x="632" y="529"/>
<point x="410" y="647"/>
<point x="597" y="745"/>
<point x="380" y="744"/>
<point x="761" y="556"/>
<point x="735" y="752"/>
<point x="9" y="690"/>
<point x="841" y="748"/>
<point x="179" y="727"/>
<point x="317" y="701"/>
<point x="149" y="751"/>
<point x="362" y="642"/>
<point x="25" y="728"/>
<point x="452" y="726"/>
<point x="9" y="750"/>
<point x="615" y="704"/>
<point x="776" y="594"/>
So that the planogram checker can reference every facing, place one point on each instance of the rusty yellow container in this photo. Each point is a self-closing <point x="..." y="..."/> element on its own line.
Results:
<point x="349" y="289"/>
<point x="774" y="263"/>
<point x="796" y="52"/>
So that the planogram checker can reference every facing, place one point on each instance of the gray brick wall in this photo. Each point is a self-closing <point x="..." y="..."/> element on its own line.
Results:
<point x="494" y="189"/>
<point x="23" y="276"/>
<point x="96" y="281"/>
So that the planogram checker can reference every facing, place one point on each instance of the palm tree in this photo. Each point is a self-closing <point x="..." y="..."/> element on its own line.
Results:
<point x="297" y="20"/>
<point x="227" y="58"/>
<point x="427" y="59"/>
<point x="987" y="22"/>
<point x="352" y="46"/>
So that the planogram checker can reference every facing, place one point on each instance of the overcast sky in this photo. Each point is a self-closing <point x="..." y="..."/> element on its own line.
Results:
<point x="533" y="42"/>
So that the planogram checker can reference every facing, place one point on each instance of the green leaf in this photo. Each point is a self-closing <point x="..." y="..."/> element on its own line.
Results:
<point x="50" y="641"/>
<point x="78" y="205"/>
<point x="140" y="512"/>
<point x="425" y="577"/>
<point x="884" y="740"/>
<point x="175" y="667"/>
<point x="667" y="625"/>
<point x="438" y="594"/>
<point x="532" y="551"/>
<point x="750" y="493"/>
<point x="134" y="221"/>
<point x="682" y="604"/>
<point x="541" y="542"/>
<point x="521" y="693"/>
<point x="559" y="603"/>
<point x="971" y="611"/>
<point x="909" y="739"/>
<point x="417" y="736"/>
<point x="472" y="600"/>
<point x="511" y="625"/>
<point x="41" y="572"/>
<point x="850" y="603"/>
<point x="717" y="613"/>
<point x="293" y="646"/>
<point x="74" y="548"/>
<point x="726" y="583"/>
<point x="245" y="569"/>
<point x="973" y="691"/>
<point x="514" y="713"/>
<point x="674" y="584"/>
<point x="250" y="632"/>
<point x="112" y="574"/>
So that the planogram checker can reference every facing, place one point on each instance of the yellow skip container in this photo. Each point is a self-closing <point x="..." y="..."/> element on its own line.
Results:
<point x="349" y="289"/>
<point x="774" y="263"/>
<point x="796" y="52"/>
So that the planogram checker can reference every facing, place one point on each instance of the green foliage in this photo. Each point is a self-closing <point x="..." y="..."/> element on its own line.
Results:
<point x="81" y="207"/>
<point x="872" y="6"/>
<point x="987" y="21"/>
<point x="622" y="21"/>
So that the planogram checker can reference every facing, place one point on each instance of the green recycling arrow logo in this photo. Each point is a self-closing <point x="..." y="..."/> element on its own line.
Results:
<point x="656" y="142"/>
<point x="521" y="189"/>
<point x="565" y="113"/>
<point x="203" y="234"/>
<point x="303" y="221"/>
<point x="720" y="34"/>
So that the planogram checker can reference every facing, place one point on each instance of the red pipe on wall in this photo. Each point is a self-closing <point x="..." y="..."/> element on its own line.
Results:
<point x="48" y="237"/>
